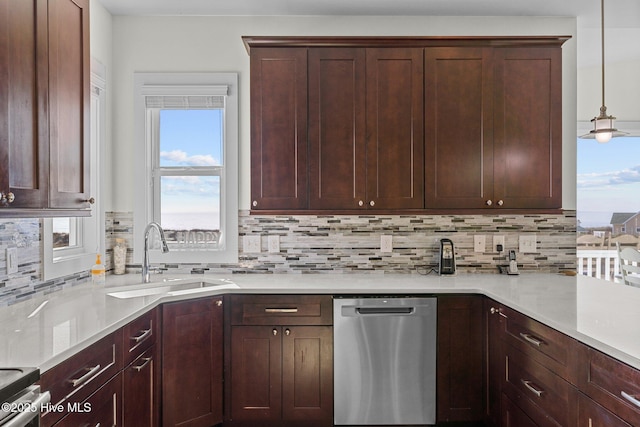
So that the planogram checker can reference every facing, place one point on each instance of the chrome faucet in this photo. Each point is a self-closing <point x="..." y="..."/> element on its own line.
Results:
<point x="146" y="275"/>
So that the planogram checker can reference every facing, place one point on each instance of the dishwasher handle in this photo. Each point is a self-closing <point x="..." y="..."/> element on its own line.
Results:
<point x="365" y="311"/>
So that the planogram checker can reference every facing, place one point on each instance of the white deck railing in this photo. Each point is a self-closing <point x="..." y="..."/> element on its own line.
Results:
<point x="602" y="264"/>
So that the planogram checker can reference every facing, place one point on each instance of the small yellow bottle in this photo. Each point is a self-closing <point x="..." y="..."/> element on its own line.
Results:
<point x="97" y="272"/>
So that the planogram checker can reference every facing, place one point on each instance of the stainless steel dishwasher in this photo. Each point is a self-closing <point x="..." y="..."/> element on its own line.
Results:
<point x="384" y="361"/>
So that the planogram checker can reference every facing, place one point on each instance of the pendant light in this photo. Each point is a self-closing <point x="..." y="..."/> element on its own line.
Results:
<point x="603" y="124"/>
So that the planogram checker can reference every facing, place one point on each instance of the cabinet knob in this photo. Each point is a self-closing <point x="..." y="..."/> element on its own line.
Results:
<point x="219" y="303"/>
<point x="254" y="203"/>
<point x="287" y="332"/>
<point x="372" y="203"/>
<point x="500" y="203"/>
<point x="493" y="310"/>
<point x="489" y="202"/>
<point x="274" y="331"/>
<point x="90" y="200"/>
<point x="7" y="197"/>
<point x="360" y="203"/>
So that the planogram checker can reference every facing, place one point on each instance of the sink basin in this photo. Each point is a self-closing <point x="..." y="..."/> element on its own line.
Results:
<point x="158" y="288"/>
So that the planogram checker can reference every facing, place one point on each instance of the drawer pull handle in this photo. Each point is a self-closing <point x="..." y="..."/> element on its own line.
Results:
<point x="528" y="384"/>
<point x="630" y="398"/>
<point x="86" y="377"/>
<point x="532" y="340"/>
<point x="280" y="310"/>
<point x="141" y="367"/>
<point x="143" y="336"/>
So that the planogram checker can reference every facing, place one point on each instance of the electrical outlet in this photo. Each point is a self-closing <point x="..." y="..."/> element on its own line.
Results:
<point x="479" y="243"/>
<point x="498" y="240"/>
<point x="386" y="243"/>
<point x="527" y="243"/>
<point x="274" y="244"/>
<point x="251" y="244"/>
<point x="12" y="260"/>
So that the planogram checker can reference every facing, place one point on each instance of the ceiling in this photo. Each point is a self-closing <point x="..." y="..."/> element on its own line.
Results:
<point x="619" y="13"/>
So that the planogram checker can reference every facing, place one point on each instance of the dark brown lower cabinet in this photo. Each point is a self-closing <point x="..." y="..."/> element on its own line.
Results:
<point x="460" y="355"/>
<point x="102" y="408"/>
<point x="513" y="416"/>
<point x="590" y="414"/>
<point x="281" y="376"/>
<point x="142" y="406"/>
<point x="494" y="362"/>
<point x="192" y="356"/>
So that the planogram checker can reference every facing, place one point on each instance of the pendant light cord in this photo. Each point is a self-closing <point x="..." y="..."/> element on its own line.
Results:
<point x="602" y="45"/>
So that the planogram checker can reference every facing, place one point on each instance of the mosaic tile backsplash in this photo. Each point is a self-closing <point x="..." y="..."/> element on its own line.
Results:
<point x="323" y="244"/>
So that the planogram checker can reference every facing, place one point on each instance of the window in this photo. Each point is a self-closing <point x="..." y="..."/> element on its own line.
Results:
<point x="608" y="178"/>
<point x="186" y="132"/>
<point x="70" y="244"/>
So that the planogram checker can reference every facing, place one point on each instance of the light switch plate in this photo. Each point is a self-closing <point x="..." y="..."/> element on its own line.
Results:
<point x="12" y="260"/>
<point x="479" y="243"/>
<point x="251" y="244"/>
<point x="386" y="243"/>
<point x="527" y="243"/>
<point x="498" y="240"/>
<point x="274" y="244"/>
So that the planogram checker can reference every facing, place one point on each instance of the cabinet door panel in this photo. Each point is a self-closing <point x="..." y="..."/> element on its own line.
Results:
<point x="23" y="108"/>
<point x="307" y="371"/>
<point x="256" y="373"/>
<point x="459" y="123"/>
<point x="395" y="142"/>
<point x="528" y="127"/>
<point x="495" y="366"/>
<point x="69" y="100"/>
<point x="140" y="406"/>
<point x="336" y="128"/>
<point x="279" y="128"/>
<point x="460" y="357"/>
<point x="192" y="363"/>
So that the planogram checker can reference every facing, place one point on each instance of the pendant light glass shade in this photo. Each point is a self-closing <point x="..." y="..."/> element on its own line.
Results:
<point x="603" y="124"/>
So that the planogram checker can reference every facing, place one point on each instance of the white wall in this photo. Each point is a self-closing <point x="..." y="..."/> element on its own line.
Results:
<point x="196" y="44"/>
<point x="622" y="68"/>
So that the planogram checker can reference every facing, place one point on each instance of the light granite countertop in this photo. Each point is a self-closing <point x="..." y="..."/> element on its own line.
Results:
<point x="47" y="329"/>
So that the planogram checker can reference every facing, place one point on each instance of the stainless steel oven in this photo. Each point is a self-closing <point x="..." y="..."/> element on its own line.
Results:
<point x="21" y="398"/>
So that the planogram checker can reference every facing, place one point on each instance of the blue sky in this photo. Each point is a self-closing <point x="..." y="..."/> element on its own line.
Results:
<point x="191" y="138"/>
<point x="608" y="179"/>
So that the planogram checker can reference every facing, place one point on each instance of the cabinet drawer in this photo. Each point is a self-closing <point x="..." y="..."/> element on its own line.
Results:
<point x="281" y="310"/>
<point x="590" y="414"/>
<point x="512" y="416"/>
<point x="543" y="344"/>
<point x="612" y="384"/>
<point x="535" y="389"/>
<point x="77" y="377"/>
<point x="139" y="335"/>
<point x="102" y="408"/>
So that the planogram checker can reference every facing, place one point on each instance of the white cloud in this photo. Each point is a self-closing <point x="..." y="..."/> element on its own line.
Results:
<point x="608" y="179"/>
<point x="182" y="158"/>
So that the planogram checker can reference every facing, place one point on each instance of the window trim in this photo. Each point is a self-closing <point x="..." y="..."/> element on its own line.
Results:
<point x="64" y="262"/>
<point x="185" y="84"/>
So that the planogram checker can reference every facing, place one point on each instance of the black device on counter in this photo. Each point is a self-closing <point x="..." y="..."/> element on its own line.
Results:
<point x="447" y="263"/>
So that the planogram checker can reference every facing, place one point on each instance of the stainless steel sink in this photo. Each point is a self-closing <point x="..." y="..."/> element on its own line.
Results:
<point x="168" y="288"/>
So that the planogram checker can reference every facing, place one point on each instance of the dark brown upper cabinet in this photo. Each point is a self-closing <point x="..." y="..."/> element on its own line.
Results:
<point x="44" y="107"/>
<point x="459" y="127"/>
<point x="528" y="128"/>
<point x="365" y="128"/>
<point x="279" y="128"/>
<point x="392" y="124"/>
